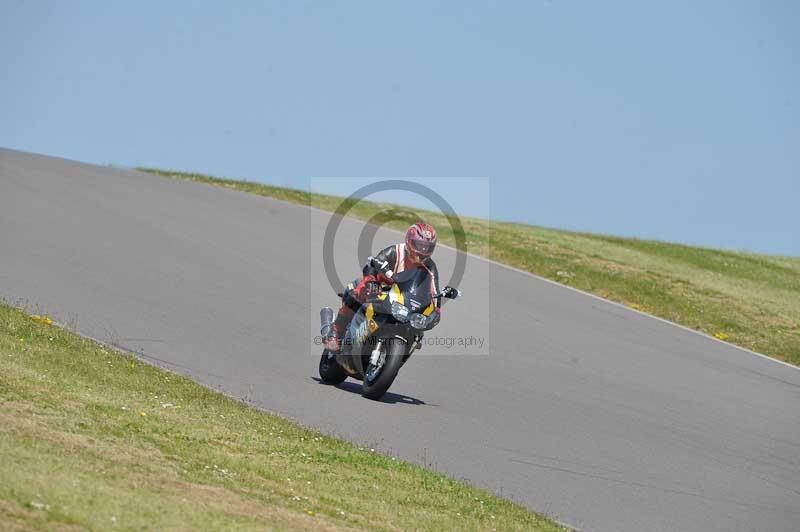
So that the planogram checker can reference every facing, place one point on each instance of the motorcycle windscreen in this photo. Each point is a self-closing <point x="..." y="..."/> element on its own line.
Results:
<point x="415" y="285"/>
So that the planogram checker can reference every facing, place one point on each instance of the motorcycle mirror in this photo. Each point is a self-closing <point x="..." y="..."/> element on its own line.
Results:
<point x="451" y="293"/>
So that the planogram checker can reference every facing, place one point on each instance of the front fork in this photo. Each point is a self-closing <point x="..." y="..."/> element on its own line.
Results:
<point x="375" y="355"/>
<point x="416" y="344"/>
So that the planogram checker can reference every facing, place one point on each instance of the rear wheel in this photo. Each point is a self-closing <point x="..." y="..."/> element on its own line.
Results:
<point x="381" y="372"/>
<point x="329" y="370"/>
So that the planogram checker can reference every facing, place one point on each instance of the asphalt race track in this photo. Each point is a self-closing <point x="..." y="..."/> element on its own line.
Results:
<point x="604" y="418"/>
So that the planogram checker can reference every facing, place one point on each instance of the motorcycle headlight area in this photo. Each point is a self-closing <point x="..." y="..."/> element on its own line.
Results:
<point x="399" y="311"/>
<point x="419" y="321"/>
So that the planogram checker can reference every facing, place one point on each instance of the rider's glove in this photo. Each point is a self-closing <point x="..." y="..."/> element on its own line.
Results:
<point x="366" y="287"/>
<point x="371" y="288"/>
<point x="450" y="292"/>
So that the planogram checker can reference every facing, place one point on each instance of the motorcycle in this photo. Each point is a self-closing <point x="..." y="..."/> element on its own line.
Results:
<point x="384" y="332"/>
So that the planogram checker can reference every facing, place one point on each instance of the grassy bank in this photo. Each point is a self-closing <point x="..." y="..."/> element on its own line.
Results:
<point x="746" y="299"/>
<point x="91" y="438"/>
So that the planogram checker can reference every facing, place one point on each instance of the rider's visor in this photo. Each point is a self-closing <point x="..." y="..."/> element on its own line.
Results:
<point x="423" y="248"/>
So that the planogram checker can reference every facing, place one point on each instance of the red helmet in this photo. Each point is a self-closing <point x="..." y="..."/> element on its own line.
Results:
<point x="421" y="240"/>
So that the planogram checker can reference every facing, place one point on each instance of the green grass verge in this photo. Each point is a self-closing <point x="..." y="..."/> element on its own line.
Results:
<point x="747" y="299"/>
<point x="92" y="438"/>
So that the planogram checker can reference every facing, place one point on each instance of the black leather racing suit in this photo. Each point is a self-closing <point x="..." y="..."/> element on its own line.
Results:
<point x="386" y="259"/>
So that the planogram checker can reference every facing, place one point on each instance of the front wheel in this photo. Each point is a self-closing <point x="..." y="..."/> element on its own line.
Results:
<point x="380" y="375"/>
<point x="329" y="370"/>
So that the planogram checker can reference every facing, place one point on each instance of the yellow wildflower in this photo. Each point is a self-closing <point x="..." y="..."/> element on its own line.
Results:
<point x="42" y="319"/>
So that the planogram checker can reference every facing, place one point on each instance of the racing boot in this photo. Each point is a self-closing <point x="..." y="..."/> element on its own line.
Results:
<point x="334" y="342"/>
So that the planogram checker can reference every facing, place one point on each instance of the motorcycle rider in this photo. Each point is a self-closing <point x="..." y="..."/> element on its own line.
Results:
<point x="415" y="251"/>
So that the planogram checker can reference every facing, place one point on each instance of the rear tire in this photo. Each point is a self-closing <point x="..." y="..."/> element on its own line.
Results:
<point x="330" y="371"/>
<point x="395" y="352"/>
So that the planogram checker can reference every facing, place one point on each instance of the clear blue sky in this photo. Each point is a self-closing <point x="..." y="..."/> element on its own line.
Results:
<point x="672" y="120"/>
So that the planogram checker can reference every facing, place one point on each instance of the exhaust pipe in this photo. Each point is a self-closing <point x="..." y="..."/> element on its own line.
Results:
<point x="326" y="322"/>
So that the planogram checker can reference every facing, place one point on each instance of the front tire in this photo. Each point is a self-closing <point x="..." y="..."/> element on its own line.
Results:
<point x="379" y="384"/>
<point x="329" y="370"/>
